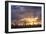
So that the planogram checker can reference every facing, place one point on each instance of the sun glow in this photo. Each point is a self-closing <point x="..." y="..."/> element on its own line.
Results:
<point x="30" y="21"/>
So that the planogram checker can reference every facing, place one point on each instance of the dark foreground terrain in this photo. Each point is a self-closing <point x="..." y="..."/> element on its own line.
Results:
<point x="26" y="26"/>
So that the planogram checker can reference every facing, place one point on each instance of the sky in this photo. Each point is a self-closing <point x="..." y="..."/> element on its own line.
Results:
<point x="18" y="12"/>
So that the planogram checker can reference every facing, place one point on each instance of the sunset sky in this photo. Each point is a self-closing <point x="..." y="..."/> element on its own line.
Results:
<point x="18" y="12"/>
